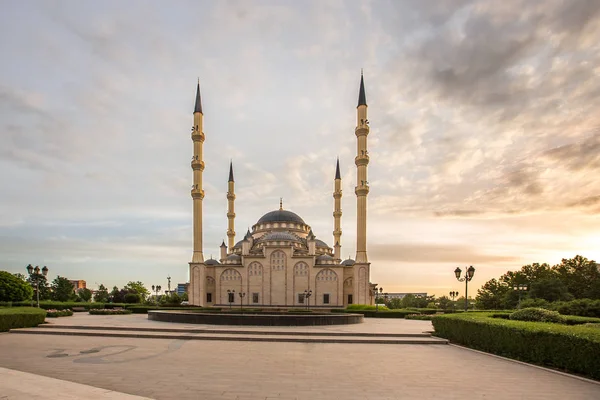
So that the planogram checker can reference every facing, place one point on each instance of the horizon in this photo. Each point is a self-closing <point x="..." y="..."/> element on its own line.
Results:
<point x="484" y="143"/>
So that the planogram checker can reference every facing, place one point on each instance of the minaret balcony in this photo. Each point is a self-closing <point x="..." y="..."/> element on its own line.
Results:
<point x="337" y="195"/>
<point x="361" y="130"/>
<point x="230" y="196"/>
<point x="362" y="159"/>
<point x="197" y="194"/>
<point x="197" y="165"/>
<point x="230" y="215"/>
<point x="337" y="214"/>
<point x="361" y="190"/>
<point x="198" y="136"/>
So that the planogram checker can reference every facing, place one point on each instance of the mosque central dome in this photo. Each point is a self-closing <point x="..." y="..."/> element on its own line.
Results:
<point x="281" y="216"/>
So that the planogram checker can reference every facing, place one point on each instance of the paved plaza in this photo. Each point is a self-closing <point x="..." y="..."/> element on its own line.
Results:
<point x="196" y="369"/>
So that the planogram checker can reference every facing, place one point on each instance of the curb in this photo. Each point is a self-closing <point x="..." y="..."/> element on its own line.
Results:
<point x="581" y="378"/>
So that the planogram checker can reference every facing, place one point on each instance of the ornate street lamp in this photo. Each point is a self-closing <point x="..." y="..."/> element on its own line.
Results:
<point x="156" y="289"/>
<point x="307" y="294"/>
<point x="242" y="295"/>
<point x="520" y="289"/>
<point x="230" y="297"/>
<point x="453" y="294"/>
<point x="34" y="273"/>
<point x="467" y="278"/>
<point x="375" y="293"/>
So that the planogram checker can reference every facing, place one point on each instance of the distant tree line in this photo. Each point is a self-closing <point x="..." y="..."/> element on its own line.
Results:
<point x="573" y="278"/>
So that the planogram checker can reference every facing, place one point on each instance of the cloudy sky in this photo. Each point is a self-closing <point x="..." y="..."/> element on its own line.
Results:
<point x="484" y="144"/>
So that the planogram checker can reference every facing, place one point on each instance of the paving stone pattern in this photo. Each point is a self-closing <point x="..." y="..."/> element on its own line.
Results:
<point x="182" y="369"/>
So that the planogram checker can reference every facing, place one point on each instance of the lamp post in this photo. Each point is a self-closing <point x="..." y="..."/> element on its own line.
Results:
<point x="307" y="294"/>
<point x="169" y="283"/>
<point x="156" y="289"/>
<point x="453" y="294"/>
<point x="520" y="289"/>
<point x="468" y="276"/>
<point x="242" y="295"/>
<point x="375" y="293"/>
<point x="230" y="296"/>
<point x="35" y="274"/>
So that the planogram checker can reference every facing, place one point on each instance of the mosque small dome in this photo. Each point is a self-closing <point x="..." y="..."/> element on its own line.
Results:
<point x="211" y="261"/>
<point x="324" y="257"/>
<point x="349" y="262"/>
<point x="321" y="243"/>
<point x="234" y="258"/>
<point x="281" y="216"/>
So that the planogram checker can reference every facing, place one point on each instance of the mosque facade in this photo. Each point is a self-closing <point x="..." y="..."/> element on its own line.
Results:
<point x="280" y="262"/>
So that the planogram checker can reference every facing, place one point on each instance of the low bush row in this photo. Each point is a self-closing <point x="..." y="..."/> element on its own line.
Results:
<point x="110" y="312"/>
<point x="570" y="348"/>
<point x="58" y="313"/>
<point x="419" y="317"/>
<point x="22" y="317"/>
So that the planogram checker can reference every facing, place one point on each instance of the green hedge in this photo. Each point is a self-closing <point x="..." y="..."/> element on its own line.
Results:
<point x="59" y="305"/>
<point x="419" y="317"/>
<point x="399" y="313"/>
<point x="571" y="348"/>
<point x="58" y="313"/>
<point x="22" y="317"/>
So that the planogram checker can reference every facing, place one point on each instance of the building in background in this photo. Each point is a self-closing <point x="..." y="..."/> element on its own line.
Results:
<point x="400" y="296"/>
<point x="77" y="284"/>
<point x="182" y="288"/>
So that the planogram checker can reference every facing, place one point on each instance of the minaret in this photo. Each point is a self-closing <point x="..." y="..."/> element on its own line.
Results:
<point x="337" y="213"/>
<point x="198" y="168"/>
<point x="362" y="185"/>
<point x="230" y="208"/>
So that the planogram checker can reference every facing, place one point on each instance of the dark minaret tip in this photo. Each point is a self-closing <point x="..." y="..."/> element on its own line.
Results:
<point x="198" y="106"/>
<point x="223" y="244"/>
<point x="231" y="171"/>
<point x="337" y="170"/>
<point x="362" y="97"/>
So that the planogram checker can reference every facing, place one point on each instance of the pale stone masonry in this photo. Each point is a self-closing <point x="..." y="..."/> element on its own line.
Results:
<point x="280" y="258"/>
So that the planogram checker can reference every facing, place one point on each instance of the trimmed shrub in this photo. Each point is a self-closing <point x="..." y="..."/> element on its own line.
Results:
<point x="5" y="303"/>
<point x="399" y="313"/>
<point x="419" y="317"/>
<point x="571" y="348"/>
<point x="22" y="317"/>
<point x="58" y="313"/>
<point x="538" y="303"/>
<point x="580" y="307"/>
<point x="60" y="305"/>
<point x="365" y="307"/>
<point x="110" y="312"/>
<point x="537" y="315"/>
<point x="428" y="311"/>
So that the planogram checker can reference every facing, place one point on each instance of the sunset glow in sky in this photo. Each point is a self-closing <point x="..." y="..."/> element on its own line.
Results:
<point x="484" y="143"/>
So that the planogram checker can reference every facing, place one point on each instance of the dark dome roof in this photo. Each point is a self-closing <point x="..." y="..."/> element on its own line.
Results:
<point x="321" y="243"/>
<point x="280" y="236"/>
<point x="233" y="257"/>
<point x="324" y="257"/>
<point x="281" y="216"/>
<point x="348" y="262"/>
<point x="239" y="244"/>
<point x="211" y="261"/>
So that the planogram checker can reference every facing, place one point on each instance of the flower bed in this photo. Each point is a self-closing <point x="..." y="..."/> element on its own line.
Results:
<point x="114" y="311"/>
<point x="58" y="313"/>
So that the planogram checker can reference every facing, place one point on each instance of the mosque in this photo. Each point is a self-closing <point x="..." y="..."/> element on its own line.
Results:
<point x="280" y="262"/>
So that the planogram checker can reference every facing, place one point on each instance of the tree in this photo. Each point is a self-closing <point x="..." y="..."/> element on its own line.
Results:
<point x="13" y="288"/>
<point x="85" y="294"/>
<point x="43" y="285"/>
<point x="132" y="298"/>
<point x="444" y="303"/>
<point x="116" y="296"/>
<point x="579" y="275"/>
<point x="491" y="295"/>
<point x="184" y="297"/>
<point x="62" y="289"/>
<point x="137" y="287"/>
<point x="101" y="295"/>
<point x="550" y="289"/>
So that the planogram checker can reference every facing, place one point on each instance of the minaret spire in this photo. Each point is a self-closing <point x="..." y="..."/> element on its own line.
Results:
<point x="198" y="105"/>
<point x="362" y="97"/>
<point x="230" y="208"/>
<point x="337" y="213"/>
<point x="197" y="266"/>
<point x="362" y="184"/>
